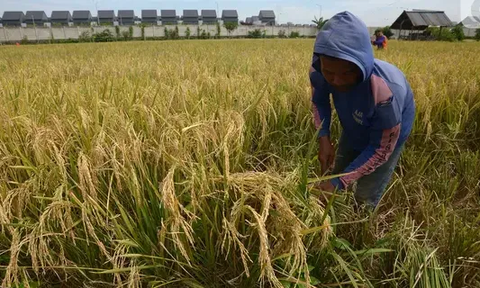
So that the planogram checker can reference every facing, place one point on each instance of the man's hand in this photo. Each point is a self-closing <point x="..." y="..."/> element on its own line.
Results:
<point x="326" y="188"/>
<point x="326" y="154"/>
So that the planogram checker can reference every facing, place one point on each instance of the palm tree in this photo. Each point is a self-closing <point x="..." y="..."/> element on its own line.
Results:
<point x="319" y="22"/>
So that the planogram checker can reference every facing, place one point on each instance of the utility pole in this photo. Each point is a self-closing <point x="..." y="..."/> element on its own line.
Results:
<point x="320" y="9"/>
<point x="35" y="28"/>
<point x="96" y="8"/>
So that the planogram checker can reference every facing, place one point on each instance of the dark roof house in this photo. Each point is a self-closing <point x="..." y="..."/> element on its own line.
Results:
<point x="168" y="17"/>
<point x="267" y="17"/>
<point x="82" y="17"/>
<point x="12" y="18"/>
<point x="126" y="17"/>
<point x="229" y="16"/>
<point x="421" y="20"/>
<point x="209" y="16"/>
<point x="61" y="17"/>
<point x="106" y="16"/>
<point x="149" y="16"/>
<point x="190" y="17"/>
<point x="36" y="17"/>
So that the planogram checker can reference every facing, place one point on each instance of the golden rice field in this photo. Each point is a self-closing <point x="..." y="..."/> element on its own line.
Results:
<point x="187" y="164"/>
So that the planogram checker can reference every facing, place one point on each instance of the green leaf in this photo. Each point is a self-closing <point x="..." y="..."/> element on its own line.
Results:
<point x="345" y="268"/>
<point x="341" y="244"/>
<point x="314" y="230"/>
<point x="368" y="252"/>
<point x="314" y="281"/>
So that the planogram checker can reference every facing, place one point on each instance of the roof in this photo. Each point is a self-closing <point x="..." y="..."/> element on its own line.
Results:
<point x="248" y="20"/>
<point x="82" y="14"/>
<point x="421" y="19"/>
<point x="255" y="18"/>
<point x="266" y="14"/>
<point x="149" y="13"/>
<point x="126" y="14"/>
<point x="12" y="16"/>
<point x="209" y="14"/>
<point x="61" y="15"/>
<point x="106" y="14"/>
<point x="229" y="14"/>
<point x="471" y="22"/>
<point x="36" y="15"/>
<point x="168" y="13"/>
<point x="190" y="14"/>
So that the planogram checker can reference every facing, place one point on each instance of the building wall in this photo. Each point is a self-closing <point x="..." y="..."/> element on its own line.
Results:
<point x="230" y="20"/>
<point x="469" y="32"/>
<point x="7" y="23"/>
<point x="210" y="20"/>
<point x="9" y="34"/>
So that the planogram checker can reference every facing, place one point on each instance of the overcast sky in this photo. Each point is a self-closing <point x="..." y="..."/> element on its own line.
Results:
<point x="373" y="12"/>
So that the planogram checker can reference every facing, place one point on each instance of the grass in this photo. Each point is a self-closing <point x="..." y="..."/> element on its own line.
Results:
<point x="186" y="164"/>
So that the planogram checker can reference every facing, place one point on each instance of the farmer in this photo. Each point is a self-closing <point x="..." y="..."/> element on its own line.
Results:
<point x="374" y="103"/>
<point x="380" y="40"/>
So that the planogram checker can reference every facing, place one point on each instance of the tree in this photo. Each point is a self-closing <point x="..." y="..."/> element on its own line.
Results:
<point x="187" y="33"/>
<point x="230" y="26"/>
<point x="320" y="22"/>
<point x="441" y="34"/>
<point x="257" y="33"/>
<point x="84" y="37"/>
<point x="387" y="31"/>
<point x="130" y="32"/>
<point x="126" y="35"/>
<point x="457" y="32"/>
<point x="294" y="34"/>
<point x="477" y="34"/>
<point x="105" y="36"/>
<point x="177" y="33"/>
<point x="166" y="32"/>
<point x="219" y="30"/>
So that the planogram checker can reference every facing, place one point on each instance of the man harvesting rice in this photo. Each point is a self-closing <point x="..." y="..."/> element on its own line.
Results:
<point x="374" y="103"/>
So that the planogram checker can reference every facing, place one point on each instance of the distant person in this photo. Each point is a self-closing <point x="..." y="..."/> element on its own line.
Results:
<point x="380" y="40"/>
<point x="374" y="104"/>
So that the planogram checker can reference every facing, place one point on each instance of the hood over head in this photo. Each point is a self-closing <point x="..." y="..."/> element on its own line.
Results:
<point x="346" y="37"/>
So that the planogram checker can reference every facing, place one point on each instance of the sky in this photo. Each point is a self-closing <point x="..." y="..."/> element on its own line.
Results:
<point x="373" y="12"/>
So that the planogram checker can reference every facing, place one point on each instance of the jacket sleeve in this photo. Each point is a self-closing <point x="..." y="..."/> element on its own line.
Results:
<point x="384" y="134"/>
<point x="322" y="110"/>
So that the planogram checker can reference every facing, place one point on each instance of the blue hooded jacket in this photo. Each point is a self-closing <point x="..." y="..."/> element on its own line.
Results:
<point x="377" y="115"/>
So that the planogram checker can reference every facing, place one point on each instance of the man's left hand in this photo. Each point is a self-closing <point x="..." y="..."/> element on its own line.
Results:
<point x="326" y="189"/>
<point x="326" y="186"/>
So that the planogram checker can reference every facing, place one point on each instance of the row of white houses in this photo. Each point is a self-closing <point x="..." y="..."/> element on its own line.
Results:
<point x="128" y="17"/>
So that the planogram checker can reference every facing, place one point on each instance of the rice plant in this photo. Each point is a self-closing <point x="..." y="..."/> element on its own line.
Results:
<point x="187" y="164"/>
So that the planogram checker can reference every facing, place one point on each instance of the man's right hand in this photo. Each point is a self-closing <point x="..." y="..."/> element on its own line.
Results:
<point x="326" y="154"/>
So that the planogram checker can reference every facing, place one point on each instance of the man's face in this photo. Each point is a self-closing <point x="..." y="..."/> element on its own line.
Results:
<point x="342" y="75"/>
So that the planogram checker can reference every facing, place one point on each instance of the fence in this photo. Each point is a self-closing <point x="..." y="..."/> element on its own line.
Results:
<point x="14" y="34"/>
